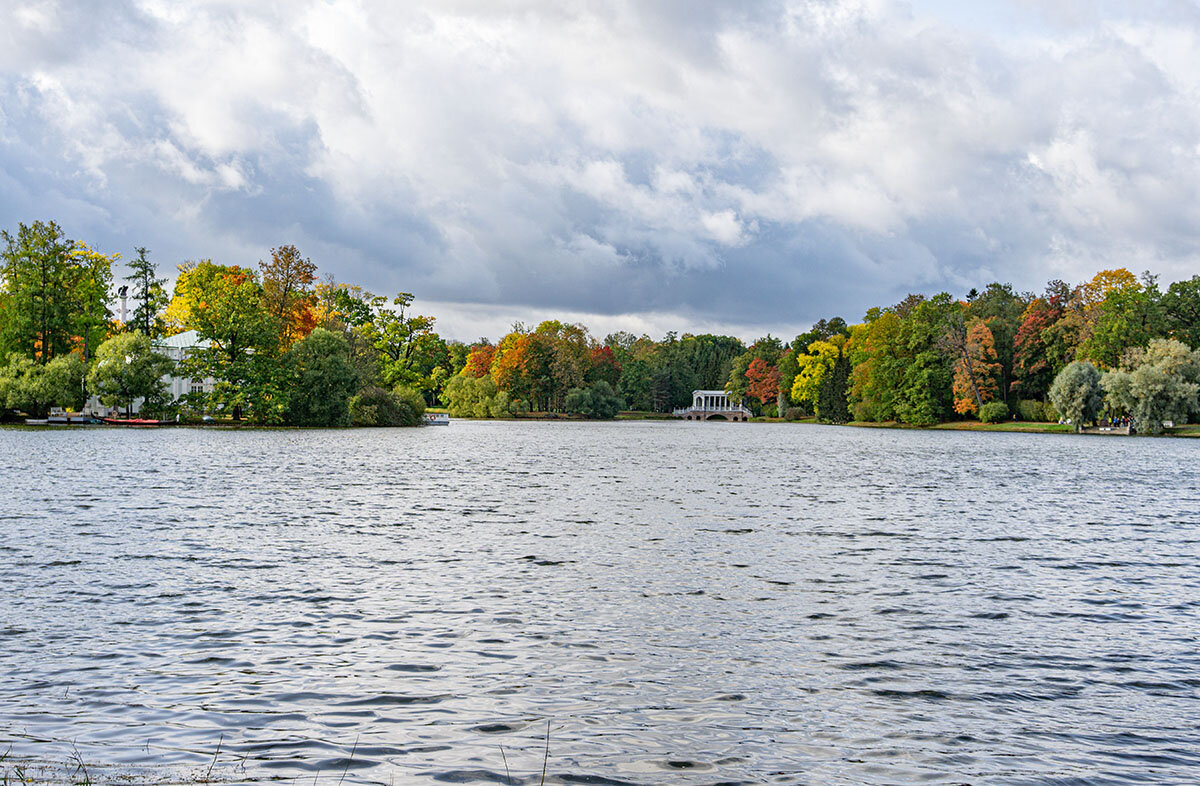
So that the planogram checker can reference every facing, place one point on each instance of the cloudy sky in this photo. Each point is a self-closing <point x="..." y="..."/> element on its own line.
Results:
<point x="638" y="164"/>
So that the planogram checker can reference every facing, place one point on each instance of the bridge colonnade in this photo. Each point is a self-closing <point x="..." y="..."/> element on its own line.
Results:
<point x="713" y="405"/>
<point x="710" y="400"/>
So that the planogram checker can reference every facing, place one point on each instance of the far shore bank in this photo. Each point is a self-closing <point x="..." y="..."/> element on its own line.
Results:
<point x="1021" y="426"/>
<point x="1192" y="430"/>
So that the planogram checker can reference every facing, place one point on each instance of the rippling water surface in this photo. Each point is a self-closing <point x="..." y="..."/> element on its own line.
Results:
<point x="684" y="603"/>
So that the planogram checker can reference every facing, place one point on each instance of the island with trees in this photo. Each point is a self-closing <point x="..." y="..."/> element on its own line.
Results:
<point x="277" y="344"/>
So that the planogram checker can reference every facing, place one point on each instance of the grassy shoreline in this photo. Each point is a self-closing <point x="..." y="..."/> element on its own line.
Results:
<point x="1025" y="427"/>
<point x="958" y="425"/>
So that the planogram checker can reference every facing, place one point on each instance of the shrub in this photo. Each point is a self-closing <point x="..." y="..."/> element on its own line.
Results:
<point x="378" y="407"/>
<point x="993" y="412"/>
<point x="477" y="397"/>
<point x="413" y="401"/>
<point x="1031" y="410"/>
<point x="599" y="401"/>
<point x="793" y="413"/>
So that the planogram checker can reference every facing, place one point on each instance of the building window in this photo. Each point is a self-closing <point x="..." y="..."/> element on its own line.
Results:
<point x="197" y="386"/>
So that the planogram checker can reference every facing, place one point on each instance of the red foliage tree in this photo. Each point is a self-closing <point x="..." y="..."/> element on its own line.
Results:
<point x="604" y="366"/>
<point x="763" y="379"/>
<point x="1031" y="361"/>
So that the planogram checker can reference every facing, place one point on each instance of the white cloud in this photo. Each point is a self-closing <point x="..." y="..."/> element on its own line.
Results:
<point x="735" y="162"/>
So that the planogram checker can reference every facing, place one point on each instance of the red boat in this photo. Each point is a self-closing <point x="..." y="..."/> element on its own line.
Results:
<point x="137" y="422"/>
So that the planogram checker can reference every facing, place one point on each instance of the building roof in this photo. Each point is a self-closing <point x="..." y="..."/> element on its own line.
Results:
<point x="184" y="340"/>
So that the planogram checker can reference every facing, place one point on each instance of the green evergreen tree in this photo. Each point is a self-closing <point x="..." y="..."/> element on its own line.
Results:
<point x="833" y="406"/>
<point x="148" y="292"/>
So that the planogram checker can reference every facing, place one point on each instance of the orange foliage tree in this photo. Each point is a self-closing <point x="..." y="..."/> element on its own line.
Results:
<point x="287" y="282"/>
<point x="479" y="360"/>
<point x="977" y="372"/>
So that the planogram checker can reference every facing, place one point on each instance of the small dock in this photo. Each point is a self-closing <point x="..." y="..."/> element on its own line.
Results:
<point x="1108" y="431"/>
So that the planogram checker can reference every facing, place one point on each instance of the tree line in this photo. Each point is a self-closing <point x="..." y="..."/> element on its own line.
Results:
<point x="281" y="345"/>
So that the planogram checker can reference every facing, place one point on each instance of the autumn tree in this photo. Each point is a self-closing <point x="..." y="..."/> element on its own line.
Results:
<point x="1032" y="368"/>
<point x="822" y="330"/>
<point x="603" y="366"/>
<point x="813" y="364"/>
<point x="878" y="360"/>
<point x="977" y="372"/>
<point x="768" y="348"/>
<point x="287" y="282"/>
<point x="1002" y="309"/>
<point x="1095" y="291"/>
<point x="762" y="381"/>
<point x="479" y="360"/>
<point x="1128" y="316"/>
<point x="569" y="348"/>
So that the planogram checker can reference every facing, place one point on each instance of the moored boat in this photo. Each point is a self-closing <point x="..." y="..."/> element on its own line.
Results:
<point x="59" y="417"/>
<point x="137" y="422"/>
<point x="437" y="419"/>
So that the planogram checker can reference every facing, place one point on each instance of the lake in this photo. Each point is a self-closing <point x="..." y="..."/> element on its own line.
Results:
<point x="693" y="603"/>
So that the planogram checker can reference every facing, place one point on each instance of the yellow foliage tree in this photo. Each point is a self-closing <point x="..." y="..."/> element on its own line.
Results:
<point x="1092" y="293"/>
<point x="177" y="316"/>
<point x="814" y="364"/>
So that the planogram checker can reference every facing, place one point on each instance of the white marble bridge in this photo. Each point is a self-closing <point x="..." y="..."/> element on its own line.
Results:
<point x="713" y="405"/>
